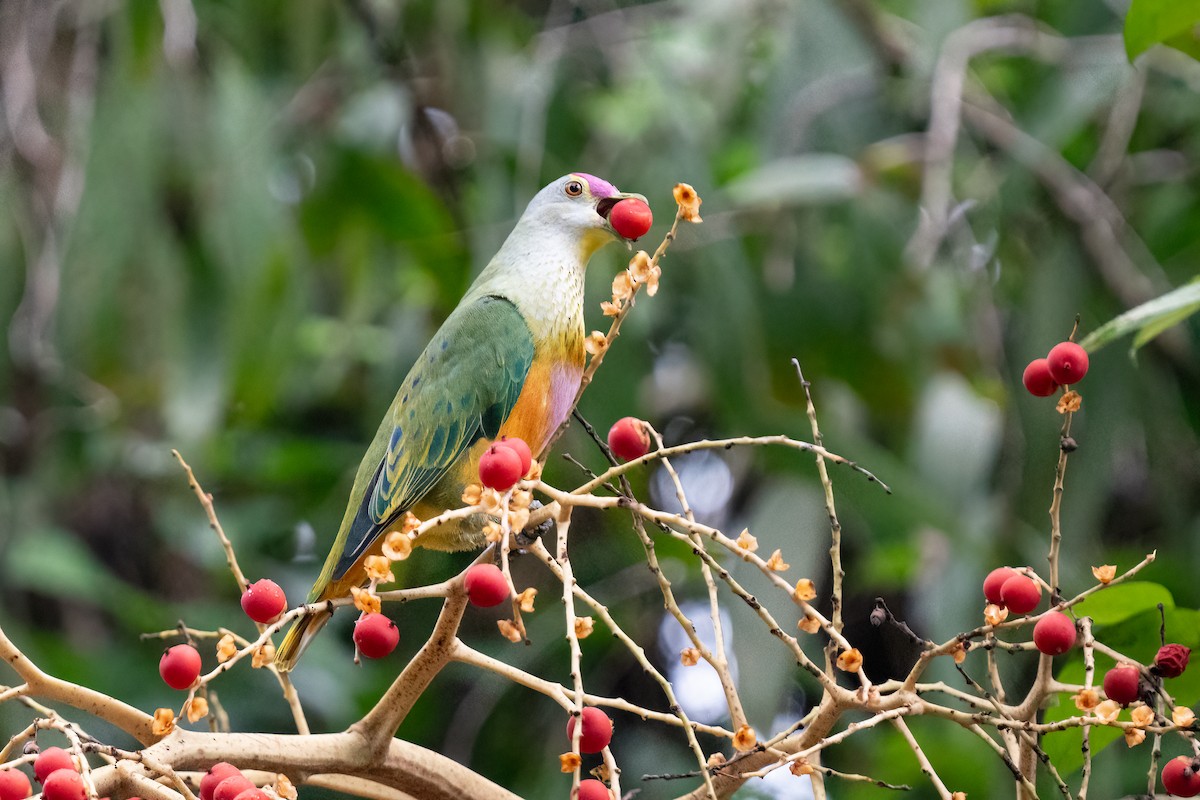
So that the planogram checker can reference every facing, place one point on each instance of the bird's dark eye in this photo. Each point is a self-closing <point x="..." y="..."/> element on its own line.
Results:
<point x="574" y="189"/>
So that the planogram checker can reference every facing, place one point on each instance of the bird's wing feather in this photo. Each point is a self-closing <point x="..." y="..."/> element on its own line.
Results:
<point x="462" y="388"/>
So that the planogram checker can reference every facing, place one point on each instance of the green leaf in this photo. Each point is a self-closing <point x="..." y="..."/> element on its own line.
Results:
<point x="1149" y="319"/>
<point x="1171" y="22"/>
<point x="1123" y="601"/>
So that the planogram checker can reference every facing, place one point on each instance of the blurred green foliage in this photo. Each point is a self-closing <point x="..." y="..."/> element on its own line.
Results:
<point x="272" y="222"/>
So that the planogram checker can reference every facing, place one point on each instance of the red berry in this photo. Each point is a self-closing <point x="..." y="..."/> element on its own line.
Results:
<point x="592" y="789"/>
<point x="1171" y="660"/>
<point x="1020" y="594"/>
<point x="1121" y="684"/>
<point x="180" y="666"/>
<point x="629" y="439"/>
<point x="254" y="794"/>
<point x="216" y="773"/>
<point x="14" y="785"/>
<point x="631" y="218"/>
<point x="597" y="730"/>
<point x="994" y="580"/>
<point x="1179" y="777"/>
<point x="1037" y="378"/>
<point x="263" y="601"/>
<point x="231" y="786"/>
<point x="521" y="449"/>
<point x="50" y="760"/>
<point x="64" y="784"/>
<point x="485" y="585"/>
<point x="376" y="635"/>
<point x="1068" y="362"/>
<point x="1054" y="633"/>
<point x="500" y="468"/>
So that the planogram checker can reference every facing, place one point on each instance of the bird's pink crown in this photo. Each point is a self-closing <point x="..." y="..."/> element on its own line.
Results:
<point x="600" y="187"/>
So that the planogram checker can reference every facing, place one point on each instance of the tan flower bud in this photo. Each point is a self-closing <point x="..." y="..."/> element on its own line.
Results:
<point x="1142" y="716"/>
<point x="164" y="721"/>
<point x="521" y="498"/>
<point x="490" y="501"/>
<point x="1086" y="700"/>
<point x="994" y="614"/>
<point x="1105" y="573"/>
<point x="611" y="309"/>
<point x="850" y="661"/>
<point x="569" y="762"/>
<point x="1069" y="402"/>
<point x="471" y="494"/>
<point x="1134" y="737"/>
<point x="226" y="648"/>
<point x="959" y="653"/>
<point x="397" y="546"/>
<point x="525" y="600"/>
<point x="493" y="532"/>
<point x="805" y="590"/>
<point x="196" y="708"/>
<point x="284" y="787"/>
<point x="584" y="627"/>
<point x="745" y="738"/>
<point x="801" y="767"/>
<point x="747" y="542"/>
<point x="809" y="624"/>
<point x="263" y="656"/>
<point x="690" y="657"/>
<point x="518" y="518"/>
<point x="688" y="202"/>
<point x="379" y="568"/>
<point x="622" y="286"/>
<point x="1107" y="711"/>
<point x="365" y="600"/>
<point x="1182" y="716"/>
<point x="776" y="562"/>
<point x="596" y="343"/>
<point x="509" y="631"/>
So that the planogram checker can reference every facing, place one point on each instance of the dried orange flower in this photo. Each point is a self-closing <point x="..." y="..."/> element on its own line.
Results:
<point x="622" y="286"/>
<point x="645" y="271"/>
<point x="379" y="569"/>
<point x="284" y="787"/>
<point x="1183" y="716"/>
<point x="535" y="471"/>
<point x="688" y="202"/>
<point x="596" y="343"/>
<point x="747" y="542"/>
<point x="409" y="524"/>
<point x="263" y="656"/>
<point x="602" y="774"/>
<point x="715" y="760"/>
<point x="508" y="630"/>
<point x="569" y="762"/>
<point x="1070" y="401"/>
<point x="994" y="614"/>
<point x="959" y="796"/>
<point x="1086" y="700"/>
<point x="1107" y="711"/>
<point x="365" y="600"/>
<point x="1105" y="573"/>
<point x="164" y="721"/>
<point x="521" y="498"/>
<point x="226" y="648"/>
<point x="397" y="546"/>
<point x="493" y="532"/>
<point x="745" y="738"/>
<point x="196" y="708"/>
<point x="801" y="767"/>
<point x="776" y="562"/>
<point x="584" y="627"/>
<point x="690" y="657"/>
<point x="611" y="309"/>
<point x="525" y="600"/>
<point x="959" y="653"/>
<point x="471" y="494"/>
<point x="490" y="501"/>
<point x="1134" y="737"/>
<point x="1142" y="716"/>
<point x="805" y="590"/>
<point x="809" y="624"/>
<point x="850" y="661"/>
<point x="518" y="518"/>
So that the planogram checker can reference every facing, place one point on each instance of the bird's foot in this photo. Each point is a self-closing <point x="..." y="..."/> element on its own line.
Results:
<point x="530" y="535"/>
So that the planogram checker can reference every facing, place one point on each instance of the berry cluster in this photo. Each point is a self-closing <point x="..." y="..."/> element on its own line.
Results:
<point x="595" y="736"/>
<point x="224" y="781"/>
<point x="504" y="463"/>
<point x="1007" y="588"/>
<point x="1065" y="364"/>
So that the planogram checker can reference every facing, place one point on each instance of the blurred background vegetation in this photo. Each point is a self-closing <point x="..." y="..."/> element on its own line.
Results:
<point x="229" y="228"/>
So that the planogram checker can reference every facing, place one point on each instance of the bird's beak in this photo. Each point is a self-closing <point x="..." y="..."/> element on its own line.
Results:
<point x="605" y="205"/>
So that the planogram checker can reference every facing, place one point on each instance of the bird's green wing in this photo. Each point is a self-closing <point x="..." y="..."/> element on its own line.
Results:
<point x="461" y="389"/>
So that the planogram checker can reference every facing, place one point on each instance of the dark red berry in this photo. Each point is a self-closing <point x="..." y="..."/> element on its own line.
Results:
<point x="1054" y="633"/>
<point x="485" y="585"/>
<point x="14" y="785"/>
<point x="1180" y="778"/>
<point x="629" y="439"/>
<point x="180" y="666"/>
<point x="376" y="635"/>
<point x="500" y="468"/>
<point x="1020" y="594"/>
<point x="1171" y="660"/>
<point x="1068" y="363"/>
<point x="216" y="773"/>
<point x="50" y="760"/>
<point x="1037" y="378"/>
<point x="64" y="784"/>
<point x="994" y="580"/>
<point x="521" y="449"/>
<point x="592" y="789"/>
<point x="230" y="787"/>
<point x="263" y="601"/>
<point x="631" y="218"/>
<point x="1121" y="684"/>
<point x="596" y="733"/>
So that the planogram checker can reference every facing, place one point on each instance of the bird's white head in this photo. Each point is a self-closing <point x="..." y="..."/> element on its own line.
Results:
<point x="577" y="204"/>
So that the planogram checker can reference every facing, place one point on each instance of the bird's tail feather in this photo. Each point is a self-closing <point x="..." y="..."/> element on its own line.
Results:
<point x="297" y="639"/>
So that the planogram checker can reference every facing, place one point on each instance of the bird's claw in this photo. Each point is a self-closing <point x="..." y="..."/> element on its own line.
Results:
<point x="528" y="536"/>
